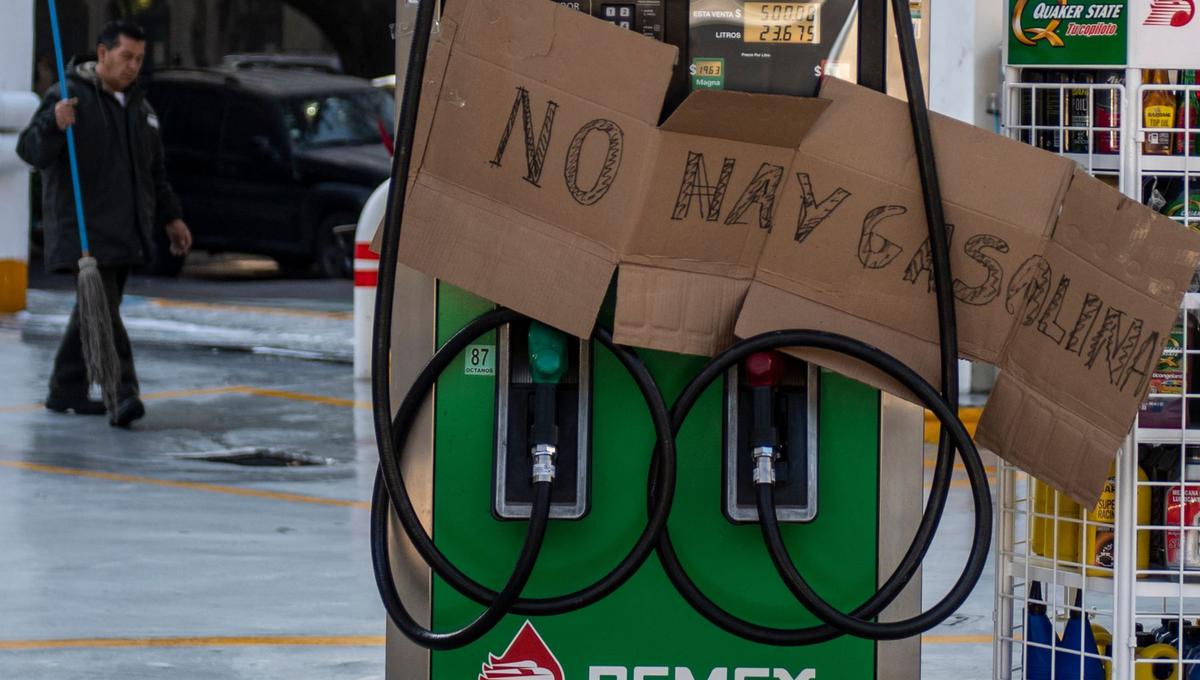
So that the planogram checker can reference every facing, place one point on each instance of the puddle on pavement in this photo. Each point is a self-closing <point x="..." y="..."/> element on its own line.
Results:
<point x="260" y="457"/>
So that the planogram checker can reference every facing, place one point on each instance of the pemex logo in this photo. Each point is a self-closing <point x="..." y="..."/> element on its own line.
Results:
<point x="1170" y="13"/>
<point x="527" y="656"/>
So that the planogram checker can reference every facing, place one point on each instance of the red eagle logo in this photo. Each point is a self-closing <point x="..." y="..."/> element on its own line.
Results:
<point x="527" y="656"/>
<point x="1171" y="13"/>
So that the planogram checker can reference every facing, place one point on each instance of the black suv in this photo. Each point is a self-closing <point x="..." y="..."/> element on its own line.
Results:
<point x="270" y="161"/>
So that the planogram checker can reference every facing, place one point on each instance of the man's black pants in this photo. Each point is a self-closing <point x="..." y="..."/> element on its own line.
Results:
<point x="69" y="379"/>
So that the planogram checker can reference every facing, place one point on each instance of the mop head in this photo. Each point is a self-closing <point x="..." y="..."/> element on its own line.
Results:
<point x="95" y="330"/>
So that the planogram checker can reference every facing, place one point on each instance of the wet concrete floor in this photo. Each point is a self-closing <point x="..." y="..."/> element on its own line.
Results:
<point x="124" y="557"/>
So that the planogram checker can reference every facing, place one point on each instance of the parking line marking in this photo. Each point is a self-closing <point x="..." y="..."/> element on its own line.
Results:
<point x="279" y="311"/>
<point x="193" y="486"/>
<point x="213" y="641"/>
<point x="956" y="639"/>
<point x="225" y="389"/>
<point x="301" y="396"/>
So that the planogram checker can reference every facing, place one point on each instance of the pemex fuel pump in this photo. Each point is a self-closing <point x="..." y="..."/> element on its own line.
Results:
<point x="558" y="507"/>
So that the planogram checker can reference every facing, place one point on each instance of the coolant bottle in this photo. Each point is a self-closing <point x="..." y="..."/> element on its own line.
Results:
<point x="1070" y="662"/>
<point x="1039" y="661"/>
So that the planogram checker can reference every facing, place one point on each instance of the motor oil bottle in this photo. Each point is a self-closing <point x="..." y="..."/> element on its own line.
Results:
<point x="1079" y="113"/>
<point x="1052" y="113"/>
<point x="1187" y="116"/>
<point x="1185" y="205"/>
<point x="1055" y="524"/>
<point x="1148" y="651"/>
<point x="1158" y="111"/>
<point x="1108" y="114"/>
<point x="1039" y="660"/>
<point x="1182" y="509"/>
<point x="1164" y="406"/>
<point x="1100" y="532"/>
<point x="1077" y="657"/>
<point x="1029" y="97"/>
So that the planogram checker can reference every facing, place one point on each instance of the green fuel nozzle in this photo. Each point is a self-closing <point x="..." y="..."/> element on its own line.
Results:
<point x="547" y="365"/>
<point x="547" y="354"/>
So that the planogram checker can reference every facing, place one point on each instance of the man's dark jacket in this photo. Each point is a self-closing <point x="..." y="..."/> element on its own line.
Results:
<point x="126" y="196"/>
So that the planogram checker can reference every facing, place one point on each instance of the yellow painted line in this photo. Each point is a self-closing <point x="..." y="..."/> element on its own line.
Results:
<point x="227" y="389"/>
<point x="969" y="415"/>
<point x="301" y="396"/>
<point x="193" y="486"/>
<point x="956" y="639"/>
<point x="198" y="392"/>
<point x="263" y="641"/>
<point x="278" y="311"/>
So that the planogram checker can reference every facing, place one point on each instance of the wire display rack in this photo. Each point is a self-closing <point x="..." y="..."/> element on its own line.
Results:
<point x="1113" y="591"/>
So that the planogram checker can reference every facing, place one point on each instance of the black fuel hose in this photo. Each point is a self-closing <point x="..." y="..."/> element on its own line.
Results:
<point x="390" y="436"/>
<point x="956" y="434"/>
<point x="945" y="406"/>
<point x="663" y="461"/>
<point x="496" y="610"/>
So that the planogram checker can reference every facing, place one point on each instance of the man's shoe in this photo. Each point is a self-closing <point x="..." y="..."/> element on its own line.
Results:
<point x="79" y="405"/>
<point x="128" y="410"/>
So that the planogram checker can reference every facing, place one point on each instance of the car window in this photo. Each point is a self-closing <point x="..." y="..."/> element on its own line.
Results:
<point x="246" y="120"/>
<point x="189" y="117"/>
<point x="339" y="119"/>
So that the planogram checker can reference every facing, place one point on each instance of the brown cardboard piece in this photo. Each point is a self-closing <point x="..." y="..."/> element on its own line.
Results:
<point x="690" y="258"/>
<point x="537" y="172"/>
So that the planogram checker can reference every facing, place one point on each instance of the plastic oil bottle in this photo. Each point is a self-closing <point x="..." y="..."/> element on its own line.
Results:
<point x="1158" y="111"/>
<point x="1039" y="658"/>
<point x="1055" y="524"/>
<point x="1100" y="546"/>
<point x="1077" y="658"/>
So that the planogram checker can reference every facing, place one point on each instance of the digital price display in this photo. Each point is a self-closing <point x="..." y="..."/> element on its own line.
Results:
<point x="782" y="22"/>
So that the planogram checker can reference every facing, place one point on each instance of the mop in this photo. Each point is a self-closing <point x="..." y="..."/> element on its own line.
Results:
<point x="95" y="325"/>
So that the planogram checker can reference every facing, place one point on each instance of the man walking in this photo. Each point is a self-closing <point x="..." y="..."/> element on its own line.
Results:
<point x="126" y="199"/>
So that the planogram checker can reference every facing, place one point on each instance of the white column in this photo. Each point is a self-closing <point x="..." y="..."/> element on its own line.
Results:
<point x="17" y="104"/>
<point x="964" y="56"/>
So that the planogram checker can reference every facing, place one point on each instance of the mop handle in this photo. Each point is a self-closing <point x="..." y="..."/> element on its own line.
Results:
<point x="62" y="86"/>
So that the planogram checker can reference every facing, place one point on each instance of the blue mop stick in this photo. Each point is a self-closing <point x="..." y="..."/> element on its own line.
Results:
<point x="62" y="87"/>
<point x="95" y="324"/>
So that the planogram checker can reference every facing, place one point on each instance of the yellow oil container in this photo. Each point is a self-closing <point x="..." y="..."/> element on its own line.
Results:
<point x="1056" y="523"/>
<point x="1099" y="534"/>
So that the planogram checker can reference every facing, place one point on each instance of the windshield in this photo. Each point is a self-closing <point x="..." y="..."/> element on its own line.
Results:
<point x="340" y="118"/>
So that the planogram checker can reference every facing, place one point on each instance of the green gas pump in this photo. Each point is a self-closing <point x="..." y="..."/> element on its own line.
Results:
<point x="524" y="422"/>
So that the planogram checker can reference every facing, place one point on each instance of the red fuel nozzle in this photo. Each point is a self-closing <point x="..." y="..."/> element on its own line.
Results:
<point x="764" y="369"/>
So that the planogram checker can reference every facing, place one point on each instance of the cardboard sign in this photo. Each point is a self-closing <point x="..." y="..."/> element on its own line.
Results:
<point x="537" y="174"/>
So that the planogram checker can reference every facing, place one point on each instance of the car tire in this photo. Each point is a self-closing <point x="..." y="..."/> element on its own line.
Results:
<point x="334" y="256"/>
